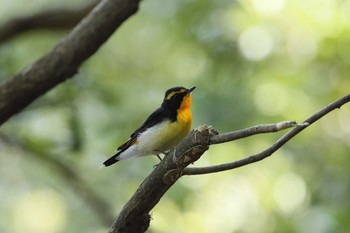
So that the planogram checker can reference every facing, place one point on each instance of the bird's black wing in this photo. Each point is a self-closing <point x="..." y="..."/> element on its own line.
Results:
<point x="158" y="115"/>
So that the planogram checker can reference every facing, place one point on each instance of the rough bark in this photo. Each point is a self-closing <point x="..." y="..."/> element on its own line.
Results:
<point x="134" y="217"/>
<point x="63" y="61"/>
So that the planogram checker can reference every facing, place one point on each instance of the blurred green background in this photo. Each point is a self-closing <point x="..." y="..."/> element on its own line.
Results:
<point x="252" y="61"/>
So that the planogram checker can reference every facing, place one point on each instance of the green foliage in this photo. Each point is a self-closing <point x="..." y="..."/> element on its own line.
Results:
<point x="253" y="62"/>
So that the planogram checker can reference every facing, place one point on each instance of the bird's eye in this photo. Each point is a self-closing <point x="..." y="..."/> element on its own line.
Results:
<point x="177" y="96"/>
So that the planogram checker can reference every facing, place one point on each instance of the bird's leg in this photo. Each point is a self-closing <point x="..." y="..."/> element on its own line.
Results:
<point x="165" y="153"/>
<point x="159" y="157"/>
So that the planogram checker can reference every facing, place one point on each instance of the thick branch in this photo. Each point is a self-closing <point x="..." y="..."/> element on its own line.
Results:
<point x="269" y="151"/>
<point x="63" y="61"/>
<point x="50" y="19"/>
<point x="134" y="216"/>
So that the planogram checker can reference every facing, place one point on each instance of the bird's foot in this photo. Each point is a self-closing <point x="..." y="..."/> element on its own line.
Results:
<point x="165" y="153"/>
<point x="159" y="157"/>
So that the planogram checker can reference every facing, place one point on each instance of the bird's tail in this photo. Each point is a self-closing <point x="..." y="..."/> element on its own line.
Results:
<point x="111" y="160"/>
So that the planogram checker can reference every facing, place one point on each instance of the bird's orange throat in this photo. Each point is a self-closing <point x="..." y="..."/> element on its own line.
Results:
<point x="184" y="112"/>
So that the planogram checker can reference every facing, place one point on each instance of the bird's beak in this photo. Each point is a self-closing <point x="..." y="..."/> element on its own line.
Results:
<point x="191" y="89"/>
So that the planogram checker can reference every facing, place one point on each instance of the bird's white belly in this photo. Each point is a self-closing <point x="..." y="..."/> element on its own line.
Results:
<point x="161" y="137"/>
<point x="157" y="139"/>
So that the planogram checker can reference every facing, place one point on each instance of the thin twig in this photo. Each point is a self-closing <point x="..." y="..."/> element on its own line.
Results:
<point x="269" y="151"/>
<point x="258" y="129"/>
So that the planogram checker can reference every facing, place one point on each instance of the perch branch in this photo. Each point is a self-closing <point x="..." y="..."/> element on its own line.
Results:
<point x="134" y="217"/>
<point x="269" y="151"/>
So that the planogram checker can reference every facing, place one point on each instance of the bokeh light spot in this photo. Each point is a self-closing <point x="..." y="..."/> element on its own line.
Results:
<point x="187" y="62"/>
<point x="236" y="201"/>
<point x="40" y="212"/>
<point x="315" y="220"/>
<point x="271" y="98"/>
<point x="268" y="6"/>
<point x="290" y="193"/>
<point x="255" y="43"/>
<point x="302" y="44"/>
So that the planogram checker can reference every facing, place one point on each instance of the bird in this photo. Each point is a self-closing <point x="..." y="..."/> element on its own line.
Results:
<point x="162" y="130"/>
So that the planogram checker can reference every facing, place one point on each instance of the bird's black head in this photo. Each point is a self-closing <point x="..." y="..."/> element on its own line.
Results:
<point x="174" y="97"/>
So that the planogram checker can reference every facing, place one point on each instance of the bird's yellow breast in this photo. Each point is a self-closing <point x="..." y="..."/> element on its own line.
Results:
<point x="178" y="129"/>
<point x="168" y="134"/>
<point x="184" y="115"/>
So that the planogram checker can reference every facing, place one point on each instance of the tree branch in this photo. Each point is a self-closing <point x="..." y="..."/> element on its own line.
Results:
<point x="134" y="217"/>
<point x="258" y="129"/>
<point x="50" y="19"/>
<point x="63" y="61"/>
<point x="269" y="151"/>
